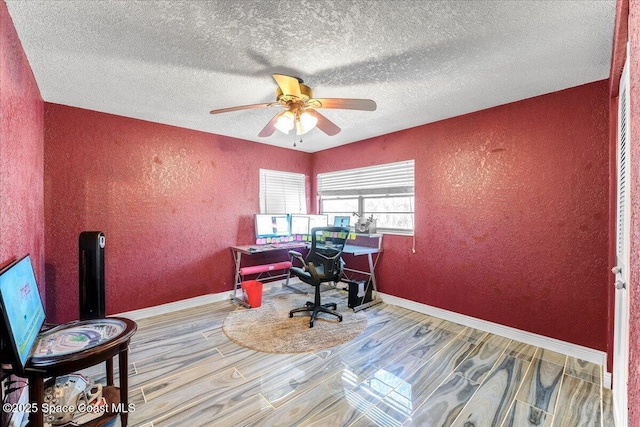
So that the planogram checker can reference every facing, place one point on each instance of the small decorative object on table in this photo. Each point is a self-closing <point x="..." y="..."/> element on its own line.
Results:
<point x="365" y="225"/>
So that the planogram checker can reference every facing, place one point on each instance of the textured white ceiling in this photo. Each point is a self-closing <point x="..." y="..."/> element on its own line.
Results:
<point x="421" y="61"/>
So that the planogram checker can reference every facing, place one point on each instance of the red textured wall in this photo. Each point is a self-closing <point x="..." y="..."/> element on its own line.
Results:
<point x="634" y="286"/>
<point x="511" y="213"/>
<point x="21" y="154"/>
<point x="170" y="201"/>
<point x="511" y="222"/>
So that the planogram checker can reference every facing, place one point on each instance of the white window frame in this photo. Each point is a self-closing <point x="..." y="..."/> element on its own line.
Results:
<point x="282" y="192"/>
<point x="379" y="181"/>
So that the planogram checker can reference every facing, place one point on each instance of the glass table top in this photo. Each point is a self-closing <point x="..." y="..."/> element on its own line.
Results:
<point x="76" y="336"/>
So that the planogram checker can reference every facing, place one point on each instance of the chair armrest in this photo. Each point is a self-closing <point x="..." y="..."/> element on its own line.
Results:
<point x="297" y="255"/>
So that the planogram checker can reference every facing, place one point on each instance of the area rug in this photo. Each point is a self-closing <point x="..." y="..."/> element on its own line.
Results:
<point x="269" y="328"/>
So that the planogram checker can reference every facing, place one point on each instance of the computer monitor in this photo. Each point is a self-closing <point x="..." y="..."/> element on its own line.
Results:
<point x="270" y="225"/>
<point x="341" y="221"/>
<point x="22" y="310"/>
<point x="317" y="221"/>
<point x="299" y="224"/>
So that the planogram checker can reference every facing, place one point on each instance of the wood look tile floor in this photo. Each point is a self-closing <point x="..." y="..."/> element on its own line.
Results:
<point x="405" y="369"/>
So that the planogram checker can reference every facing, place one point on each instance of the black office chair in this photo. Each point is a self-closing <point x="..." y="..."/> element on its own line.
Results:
<point x="323" y="264"/>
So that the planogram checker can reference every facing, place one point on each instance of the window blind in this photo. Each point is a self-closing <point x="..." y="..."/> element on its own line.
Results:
<point x="390" y="178"/>
<point x="282" y="192"/>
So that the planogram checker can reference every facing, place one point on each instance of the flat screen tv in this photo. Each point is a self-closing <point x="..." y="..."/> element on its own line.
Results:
<point x="270" y="225"/>
<point x="22" y="310"/>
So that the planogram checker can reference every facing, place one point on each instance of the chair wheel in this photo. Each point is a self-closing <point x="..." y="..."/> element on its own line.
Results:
<point x="340" y="319"/>
<point x="311" y="324"/>
<point x="290" y="314"/>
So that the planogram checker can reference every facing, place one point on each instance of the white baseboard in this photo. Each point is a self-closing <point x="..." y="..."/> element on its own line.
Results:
<point x="563" y="347"/>
<point x="174" y="306"/>
<point x="157" y="310"/>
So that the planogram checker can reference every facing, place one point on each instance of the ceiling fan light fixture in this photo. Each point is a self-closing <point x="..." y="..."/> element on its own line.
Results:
<point x="300" y="108"/>
<point x="305" y="123"/>
<point x="285" y="121"/>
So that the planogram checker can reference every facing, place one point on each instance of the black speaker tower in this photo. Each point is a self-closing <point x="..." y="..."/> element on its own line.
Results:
<point x="91" y="262"/>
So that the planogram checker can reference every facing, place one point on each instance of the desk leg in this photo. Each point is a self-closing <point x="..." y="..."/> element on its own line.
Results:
<point x="109" y="363"/>
<point x="36" y="396"/>
<point x="372" y="269"/>
<point x="236" y="278"/>
<point x="123" y="370"/>
<point x="237" y="255"/>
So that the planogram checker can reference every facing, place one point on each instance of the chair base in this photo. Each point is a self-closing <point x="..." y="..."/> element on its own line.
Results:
<point x="315" y="309"/>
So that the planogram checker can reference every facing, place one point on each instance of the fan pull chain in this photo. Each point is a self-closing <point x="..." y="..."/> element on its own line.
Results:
<point x="294" y="141"/>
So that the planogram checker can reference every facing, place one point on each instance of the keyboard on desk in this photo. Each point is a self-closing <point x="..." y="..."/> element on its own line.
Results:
<point x="278" y="246"/>
<point x="286" y="245"/>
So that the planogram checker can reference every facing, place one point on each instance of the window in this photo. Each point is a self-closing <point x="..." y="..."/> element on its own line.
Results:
<point x="282" y="192"/>
<point x="384" y="191"/>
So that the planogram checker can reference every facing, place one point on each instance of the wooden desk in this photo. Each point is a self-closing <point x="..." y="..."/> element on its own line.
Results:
<point x="42" y="366"/>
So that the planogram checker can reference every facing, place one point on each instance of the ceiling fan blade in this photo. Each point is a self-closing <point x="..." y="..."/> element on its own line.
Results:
<point x="242" y="107"/>
<point x="269" y="128"/>
<point x="324" y="124"/>
<point x="344" y="104"/>
<point x="289" y="85"/>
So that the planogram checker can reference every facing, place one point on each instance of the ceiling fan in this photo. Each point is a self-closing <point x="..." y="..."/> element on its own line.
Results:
<point x="300" y="108"/>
